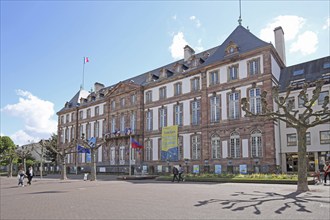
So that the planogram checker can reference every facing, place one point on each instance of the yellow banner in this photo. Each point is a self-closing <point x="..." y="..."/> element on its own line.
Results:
<point x="169" y="137"/>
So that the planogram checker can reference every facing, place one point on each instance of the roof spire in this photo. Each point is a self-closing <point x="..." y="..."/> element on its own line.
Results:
<point x="239" y="19"/>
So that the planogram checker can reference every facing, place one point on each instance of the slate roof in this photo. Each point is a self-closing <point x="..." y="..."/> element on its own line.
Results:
<point x="245" y="40"/>
<point x="309" y="72"/>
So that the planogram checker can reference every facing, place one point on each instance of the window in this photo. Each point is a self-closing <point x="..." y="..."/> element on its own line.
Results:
<point x="195" y="84"/>
<point x="81" y="131"/>
<point x="67" y="118"/>
<point x="255" y="101"/>
<point x="325" y="137"/>
<point x="308" y="138"/>
<point x="97" y="110"/>
<point x="133" y="99"/>
<point x="149" y="120"/>
<point x="62" y="119"/>
<point x="73" y="116"/>
<point x="122" y="123"/>
<point x="322" y="97"/>
<point x="133" y="121"/>
<point x="291" y="139"/>
<point x="326" y="65"/>
<point x="113" y="124"/>
<point x="177" y="89"/>
<point x="148" y="97"/>
<point x="298" y="72"/>
<point x="112" y="156"/>
<point x="88" y="131"/>
<point x="233" y="72"/>
<point x="81" y="115"/>
<point x="256" y="148"/>
<point x="214" y="77"/>
<point x="195" y="112"/>
<point x="113" y="105"/>
<point x="88" y="113"/>
<point x="96" y="129"/>
<point x="235" y="150"/>
<point x="180" y="148"/>
<point x="148" y="151"/>
<point x="196" y="147"/>
<point x="234" y="110"/>
<point x="104" y="108"/>
<point x="178" y="114"/>
<point x="215" y="108"/>
<point x="162" y="117"/>
<point x="162" y="93"/>
<point x="254" y="66"/>
<point x="122" y="154"/>
<point x="216" y="147"/>
<point x="301" y="100"/>
<point x="290" y="103"/>
<point x="122" y="102"/>
<point x="73" y="133"/>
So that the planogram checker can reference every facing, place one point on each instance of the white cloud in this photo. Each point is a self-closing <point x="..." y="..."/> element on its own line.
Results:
<point x="327" y="24"/>
<point x="291" y="26"/>
<point x="305" y="44"/>
<point x="174" y="17"/>
<point x="20" y="137"/>
<point x="197" y="21"/>
<point x="178" y="43"/>
<point x="36" y="114"/>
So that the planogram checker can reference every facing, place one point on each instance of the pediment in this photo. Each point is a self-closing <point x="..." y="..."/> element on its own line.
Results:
<point x="122" y="87"/>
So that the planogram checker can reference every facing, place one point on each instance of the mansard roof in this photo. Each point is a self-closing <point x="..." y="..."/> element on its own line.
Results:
<point x="244" y="40"/>
<point x="75" y="101"/>
<point x="307" y="72"/>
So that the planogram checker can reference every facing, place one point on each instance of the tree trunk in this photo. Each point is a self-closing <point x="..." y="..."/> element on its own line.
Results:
<point x="302" y="160"/>
<point x="10" y="168"/>
<point x="63" y="173"/>
<point x="93" y="168"/>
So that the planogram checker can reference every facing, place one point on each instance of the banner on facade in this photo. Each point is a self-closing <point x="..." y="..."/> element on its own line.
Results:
<point x="169" y="151"/>
<point x="243" y="169"/>
<point x="217" y="169"/>
<point x="196" y="169"/>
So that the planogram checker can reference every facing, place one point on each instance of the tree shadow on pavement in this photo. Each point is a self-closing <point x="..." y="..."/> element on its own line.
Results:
<point x="257" y="199"/>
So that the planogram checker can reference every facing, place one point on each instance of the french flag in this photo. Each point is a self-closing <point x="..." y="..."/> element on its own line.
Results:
<point x="86" y="60"/>
<point x="136" y="144"/>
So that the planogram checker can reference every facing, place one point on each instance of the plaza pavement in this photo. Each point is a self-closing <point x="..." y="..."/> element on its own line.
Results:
<point x="108" y="198"/>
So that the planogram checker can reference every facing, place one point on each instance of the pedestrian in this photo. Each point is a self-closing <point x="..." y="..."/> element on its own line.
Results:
<point x="175" y="174"/>
<point x="326" y="169"/>
<point x="21" y="175"/>
<point x="180" y="173"/>
<point x="29" y="174"/>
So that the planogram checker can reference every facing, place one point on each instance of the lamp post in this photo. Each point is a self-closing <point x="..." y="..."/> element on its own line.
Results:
<point x="186" y="161"/>
<point x="168" y="166"/>
<point x="206" y="165"/>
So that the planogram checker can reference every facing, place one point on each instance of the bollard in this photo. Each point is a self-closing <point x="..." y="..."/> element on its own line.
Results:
<point x="85" y="176"/>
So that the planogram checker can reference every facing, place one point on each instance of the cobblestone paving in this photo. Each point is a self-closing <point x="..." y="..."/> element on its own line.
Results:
<point x="108" y="198"/>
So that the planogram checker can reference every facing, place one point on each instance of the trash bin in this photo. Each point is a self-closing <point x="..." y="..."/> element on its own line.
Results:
<point x="85" y="176"/>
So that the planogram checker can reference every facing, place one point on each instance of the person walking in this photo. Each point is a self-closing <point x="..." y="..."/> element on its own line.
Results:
<point x="180" y="173"/>
<point x="21" y="175"/>
<point x="29" y="173"/>
<point x="175" y="174"/>
<point x="326" y="169"/>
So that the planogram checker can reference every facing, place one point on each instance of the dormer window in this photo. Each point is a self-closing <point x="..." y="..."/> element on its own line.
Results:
<point x="231" y="48"/>
<point x="298" y="72"/>
<point x="326" y="65"/>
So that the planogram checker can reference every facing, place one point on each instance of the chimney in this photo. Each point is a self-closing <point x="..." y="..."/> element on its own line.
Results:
<point x="98" y="86"/>
<point x="279" y="43"/>
<point x="188" y="52"/>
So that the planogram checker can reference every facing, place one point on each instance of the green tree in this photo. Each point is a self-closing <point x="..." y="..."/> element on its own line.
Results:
<point x="7" y="153"/>
<point x="301" y="120"/>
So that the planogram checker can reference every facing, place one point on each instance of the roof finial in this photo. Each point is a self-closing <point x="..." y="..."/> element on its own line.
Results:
<point x="240" y="19"/>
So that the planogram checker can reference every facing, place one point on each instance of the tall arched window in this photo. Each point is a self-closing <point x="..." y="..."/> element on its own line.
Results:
<point x="235" y="149"/>
<point x="148" y="150"/>
<point x="196" y="147"/>
<point x="216" y="147"/>
<point x="256" y="147"/>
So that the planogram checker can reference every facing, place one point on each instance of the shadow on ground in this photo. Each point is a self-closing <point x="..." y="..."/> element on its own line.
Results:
<point x="256" y="199"/>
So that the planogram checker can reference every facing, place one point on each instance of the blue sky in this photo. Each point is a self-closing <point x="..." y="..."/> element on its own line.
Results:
<point x="43" y="44"/>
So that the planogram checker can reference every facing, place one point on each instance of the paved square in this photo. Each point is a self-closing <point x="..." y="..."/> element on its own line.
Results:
<point x="108" y="198"/>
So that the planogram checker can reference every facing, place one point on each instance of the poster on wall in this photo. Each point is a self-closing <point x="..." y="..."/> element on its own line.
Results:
<point x="243" y="169"/>
<point x="159" y="168"/>
<point x="217" y="169"/>
<point x="196" y="169"/>
<point x="169" y="151"/>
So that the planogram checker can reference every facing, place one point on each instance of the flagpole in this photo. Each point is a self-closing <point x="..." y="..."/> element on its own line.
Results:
<point x="130" y="149"/>
<point x="83" y="76"/>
